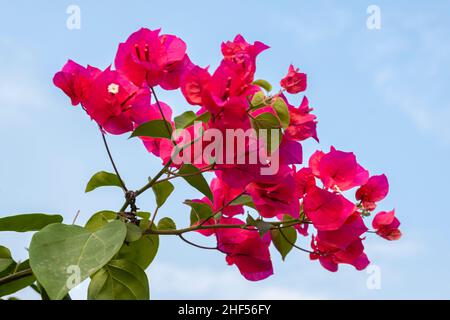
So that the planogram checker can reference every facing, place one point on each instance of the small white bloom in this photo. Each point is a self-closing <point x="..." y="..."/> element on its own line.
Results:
<point x="113" y="88"/>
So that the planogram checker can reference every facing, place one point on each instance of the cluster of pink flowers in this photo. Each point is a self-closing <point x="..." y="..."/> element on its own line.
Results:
<point x="120" y="100"/>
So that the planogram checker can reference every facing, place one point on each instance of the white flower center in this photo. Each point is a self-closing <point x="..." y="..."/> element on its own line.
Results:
<point x="113" y="88"/>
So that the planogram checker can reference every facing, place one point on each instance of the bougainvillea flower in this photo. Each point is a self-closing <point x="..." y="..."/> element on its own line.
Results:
<point x="330" y="257"/>
<point x="375" y="190"/>
<point x="243" y="54"/>
<point x="117" y="103"/>
<point x="341" y="238"/>
<point x="246" y="249"/>
<point x="339" y="170"/>
<point x="154" y="59"/>
<point x="295" y="81"/>
<point x="303" y="124"/>
<point x="75" y="80"/>
<point x="327" y="210"/>
<point x="386" y="225"/>
<point x="275" y="198"/>
<point x="223" y="196"/>
<point x="304" y="181"/>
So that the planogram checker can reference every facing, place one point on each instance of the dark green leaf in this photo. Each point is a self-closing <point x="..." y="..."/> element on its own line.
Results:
<point x="98" y="220"/>
<point x="59" y="251"/>
<point x="143" y="215"/>
<point x="162" y="191"/>
<point x="197" y="180"/>
<point x="155" y="129"/>
<point x="263" y="84"/>
<point x="28" y="222"/>
<point x="185" y="120"/>
<point x="282" y="111"/>
<point x="103" y="179"/>
<point x="119" y="280"/>
<point x="166" y="224"/>
<point x="281" y="243"/>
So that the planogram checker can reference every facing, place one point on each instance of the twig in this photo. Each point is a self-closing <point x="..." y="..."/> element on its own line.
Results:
<point x="112" y="161"/>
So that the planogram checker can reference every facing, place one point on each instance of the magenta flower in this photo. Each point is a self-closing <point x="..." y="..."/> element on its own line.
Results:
<point x="327" y="210"/>
<point x="386" y="225"/>
<point x="375" y="190"/>
<point x="295" y="81"/>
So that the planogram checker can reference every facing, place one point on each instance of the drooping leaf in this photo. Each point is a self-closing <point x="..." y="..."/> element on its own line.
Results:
<point x="155" y="129"/>
<point x="282" y="111"/>
<point x="196" y="179"/>
<point x="28" y="222"/>
<point x="185" y="120"/>
<point x="59" y="250"/>
<point x="263" y="84"/>
<point x="166" y="224"/>
<point x="283" y="245"/>
<point x="119" y="280"/>
<point x="98" y="220"/>
<point x="162" y="191"/>
<point x="19" y="283"/>
<point x="103" y="179"/>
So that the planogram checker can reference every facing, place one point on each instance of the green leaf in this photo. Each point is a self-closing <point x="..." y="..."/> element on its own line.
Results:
<point x="282" y="111"/>
<point x="141" y="252"/>
<point x="204" y="117"/>
<point x="166" y="224"/>
<point x="197" y="181"/>
<point x="245" y="200"/>
<point x="258" y="99"/>
<point x="162" y="191"/>
<point x="5" y="258"/>
<point x="119" y="280"/>
<point x="269" y="122"/>
<point x="262" y="226"/>
<point x="143" y="215"/>
<point x="18" y="284"/>
<point x="134" y="233"/>
<point x="263" y="84"/>
<point x="155" y="128"/>
<point x="185" y="120"/>
<point x="28" y="222"/>
<point x="103" y="179"/>
<point x="279" y="240"/>
<point x="200" y="211"/>
<point x="58" y="250"/>
<point x="98" y="220"/>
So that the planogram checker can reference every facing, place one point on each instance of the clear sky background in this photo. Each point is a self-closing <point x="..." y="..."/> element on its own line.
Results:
<point x="383" y="94"/>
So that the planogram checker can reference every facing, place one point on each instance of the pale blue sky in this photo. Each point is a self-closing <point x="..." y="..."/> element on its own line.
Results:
<point x="382" y="94"/>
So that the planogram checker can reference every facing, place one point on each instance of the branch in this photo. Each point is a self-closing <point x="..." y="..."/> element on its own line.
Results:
<point x="112" y="161"/>
<point x="16" y="276"/>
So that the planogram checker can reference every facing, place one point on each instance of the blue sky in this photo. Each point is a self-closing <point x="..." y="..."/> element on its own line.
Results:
<point x="380" y="93"/>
